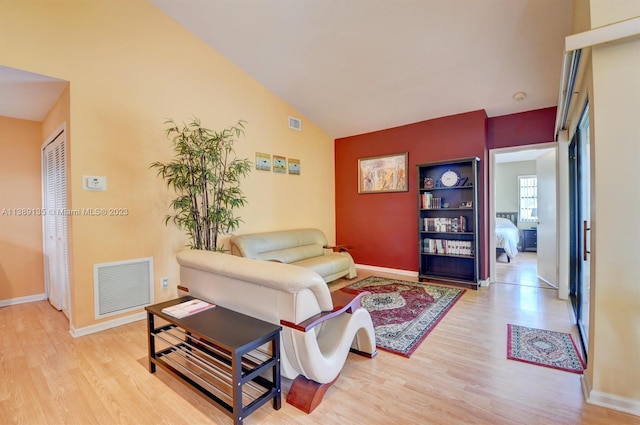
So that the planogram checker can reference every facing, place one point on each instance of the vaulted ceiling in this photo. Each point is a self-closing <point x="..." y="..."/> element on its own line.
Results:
<point x="355" y="66"/>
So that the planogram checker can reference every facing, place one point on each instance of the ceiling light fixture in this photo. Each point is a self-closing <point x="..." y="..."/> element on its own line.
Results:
<point x="519" y="96"/>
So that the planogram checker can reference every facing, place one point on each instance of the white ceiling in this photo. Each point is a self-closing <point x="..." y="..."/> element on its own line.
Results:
<point x="26" y="95"/>
<point x="355" y="66"/>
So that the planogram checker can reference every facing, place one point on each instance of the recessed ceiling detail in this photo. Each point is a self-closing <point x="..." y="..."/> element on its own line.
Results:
<point x="26" y="95"/>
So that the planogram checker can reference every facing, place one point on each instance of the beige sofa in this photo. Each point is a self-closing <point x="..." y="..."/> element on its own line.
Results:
<point x="319" y="328"/>
<point x="307" y="248"/>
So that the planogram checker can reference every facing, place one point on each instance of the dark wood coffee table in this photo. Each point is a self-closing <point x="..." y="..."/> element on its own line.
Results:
<point x="219" y="353"/>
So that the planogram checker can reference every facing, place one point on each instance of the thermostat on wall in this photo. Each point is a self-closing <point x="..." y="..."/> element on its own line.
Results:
<point x="94" y="183"/>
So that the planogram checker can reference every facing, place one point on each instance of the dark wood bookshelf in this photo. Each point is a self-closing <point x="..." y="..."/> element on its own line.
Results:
<point x="449" y="256"/>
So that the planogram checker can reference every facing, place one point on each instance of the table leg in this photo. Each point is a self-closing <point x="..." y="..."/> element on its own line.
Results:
<point x="236" y="372"/>
<point x="152" y="342"/>
<point x="275" y="349"/>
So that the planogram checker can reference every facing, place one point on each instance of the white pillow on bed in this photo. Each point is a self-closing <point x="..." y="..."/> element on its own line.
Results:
<point x="504" y="223"/>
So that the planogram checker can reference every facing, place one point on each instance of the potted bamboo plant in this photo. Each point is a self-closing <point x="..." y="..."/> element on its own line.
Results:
<point x="205" y="174"/>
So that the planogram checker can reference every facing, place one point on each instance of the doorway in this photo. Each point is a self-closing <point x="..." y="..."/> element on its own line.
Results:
<point x="535" y="224"/>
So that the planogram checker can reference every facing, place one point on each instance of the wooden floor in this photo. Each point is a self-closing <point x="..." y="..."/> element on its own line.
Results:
<point x="522" y="270"/>
<point x="459" y="375"/>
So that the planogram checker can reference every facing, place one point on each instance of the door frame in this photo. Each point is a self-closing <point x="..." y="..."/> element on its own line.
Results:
<point x="561" y="208"/>
<point x="61" y="130"/>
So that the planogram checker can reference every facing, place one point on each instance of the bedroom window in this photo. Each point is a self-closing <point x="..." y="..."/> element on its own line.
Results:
<point x="528" y="198"/>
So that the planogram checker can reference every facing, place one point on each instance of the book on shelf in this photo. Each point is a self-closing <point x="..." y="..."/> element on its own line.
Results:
<point x="447" y="246"/>
<point x="445" y="224"/>
<point x="426" y="199"/>
<point x="429" y="202"/>
<point x="187" y="308"/>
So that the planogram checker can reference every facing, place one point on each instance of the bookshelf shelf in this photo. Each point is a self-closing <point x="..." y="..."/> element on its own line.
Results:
<point x="469" y="257"/>
<point x="448" y="222"/>
<point x="425" y="189"/>
<point x="447" y="209"/>
<point x="447" y="233"/>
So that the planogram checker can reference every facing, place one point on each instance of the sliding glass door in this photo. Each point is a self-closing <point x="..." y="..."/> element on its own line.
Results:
<point x="580" y="210"/>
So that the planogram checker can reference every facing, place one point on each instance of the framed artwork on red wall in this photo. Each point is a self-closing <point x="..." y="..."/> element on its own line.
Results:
<point x="384" y="173"/>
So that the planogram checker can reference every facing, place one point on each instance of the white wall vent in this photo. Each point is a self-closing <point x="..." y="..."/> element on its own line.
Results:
<point x="122" y="286"/>
<point x="295" y="123"/>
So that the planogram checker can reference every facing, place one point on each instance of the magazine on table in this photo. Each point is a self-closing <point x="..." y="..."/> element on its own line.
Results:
<point x="187" y="308"/>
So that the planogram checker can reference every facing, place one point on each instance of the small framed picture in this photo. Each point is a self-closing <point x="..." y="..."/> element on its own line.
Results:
<point x="263" y="161"/>
<point x="279" y="164"/>
<point x="466" y="204"/>
<point x="294" y="166"/>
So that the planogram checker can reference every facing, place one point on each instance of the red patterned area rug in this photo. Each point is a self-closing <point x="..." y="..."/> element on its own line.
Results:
<point x="404" y="313"/>
<point x="544" y="348"/>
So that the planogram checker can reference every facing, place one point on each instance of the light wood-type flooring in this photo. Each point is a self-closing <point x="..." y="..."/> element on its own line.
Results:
<point x="459" y="375"/>
<point x="522" y="270"/>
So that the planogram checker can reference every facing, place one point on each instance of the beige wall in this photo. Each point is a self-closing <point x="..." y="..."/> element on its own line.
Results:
<point x="130" y="67"/>
<point x="616" y="277"/>
<point x="605" y="12"/>
<point x="21" y="260"/>
<point x="612" y="85"/>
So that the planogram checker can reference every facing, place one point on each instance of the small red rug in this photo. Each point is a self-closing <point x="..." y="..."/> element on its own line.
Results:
<point x="552" y="349"/>
<point x="403" y="313"/>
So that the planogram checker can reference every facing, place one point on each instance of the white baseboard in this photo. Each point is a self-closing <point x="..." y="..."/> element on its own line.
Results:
<point x="22" y="300"/>
<point x="484" y="283"/>
<point x="610" y="401"/>
<point x="87" y="330"/>
<point x="387" y="270"/>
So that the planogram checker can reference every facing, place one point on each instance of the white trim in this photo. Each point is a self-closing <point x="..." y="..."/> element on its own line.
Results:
<point x="485" y="283"/>
<point x="562" y="208"/>
<point x="87" y="330"/>
<point x="605" y="34"/>
<point x="564" y="239"/>
<point x="22" y="300"/>
<point x="387" y="270"/>
<point x="612" y="401"/>
<point x="62" y="128"/>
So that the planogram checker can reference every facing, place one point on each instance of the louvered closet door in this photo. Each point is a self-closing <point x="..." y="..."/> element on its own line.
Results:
<point x="55" y="224"/>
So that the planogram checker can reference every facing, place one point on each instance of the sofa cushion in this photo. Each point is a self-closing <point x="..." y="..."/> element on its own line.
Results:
<point x="326" y="265"/>
<point x="291" y="255"/>
<point x="287" y="246"/>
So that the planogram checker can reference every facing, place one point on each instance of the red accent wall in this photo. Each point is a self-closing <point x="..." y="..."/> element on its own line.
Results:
<point x="383" y="227"/>
<point x="525" y="128"/>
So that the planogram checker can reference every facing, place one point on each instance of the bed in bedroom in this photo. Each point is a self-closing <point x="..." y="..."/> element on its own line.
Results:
<point x="507" y="234"/>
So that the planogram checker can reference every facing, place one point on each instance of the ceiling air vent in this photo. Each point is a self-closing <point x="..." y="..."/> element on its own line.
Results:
<point x="295" y="123"/>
